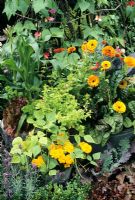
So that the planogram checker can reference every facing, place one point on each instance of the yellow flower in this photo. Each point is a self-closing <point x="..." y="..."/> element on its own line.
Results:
<point x="91" y="45"/>
<point x="68" y="147"/>
<point x="62" y="158"/>
<point x="84" y="47"/>
<point x="123" y="84"/>
<point x="93" y="81"/>
<point x="105" y="65"/>
<point x="71" y="49"/>
<point x="69" y="161"/>
<point x="129" y="61"/>
<point x="56" y="151"/>
<point x="38" y="161"/>
<point x="86" y="148"/>
<point x="108" y="51"/>
<point x="119" y="107"/>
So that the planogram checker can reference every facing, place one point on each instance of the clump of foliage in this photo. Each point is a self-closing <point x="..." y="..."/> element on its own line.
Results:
<point x="19" y="184"/>
<point x="76" y="20"/>
<point x="112" y="158"/>
<point x="74" y="189"/>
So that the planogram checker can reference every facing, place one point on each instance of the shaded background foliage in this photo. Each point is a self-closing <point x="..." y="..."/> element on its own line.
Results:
<point x="79" y="19"/>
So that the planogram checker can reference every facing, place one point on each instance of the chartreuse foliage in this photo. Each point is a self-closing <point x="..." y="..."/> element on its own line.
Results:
<point x="56" y="111"/>
<point x="58" y="118"/>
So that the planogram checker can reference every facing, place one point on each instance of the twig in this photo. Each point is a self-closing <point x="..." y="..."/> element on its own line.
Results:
<point x="22" y="16"/>
<point x="111" y="9"/>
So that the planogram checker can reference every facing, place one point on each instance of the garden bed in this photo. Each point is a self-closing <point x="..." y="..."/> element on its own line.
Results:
<point x="67" y="100"/>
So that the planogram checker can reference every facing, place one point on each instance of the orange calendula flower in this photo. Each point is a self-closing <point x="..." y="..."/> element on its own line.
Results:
<point x="119" y="107"/>
<point x="105" y="65"/>
<point x="123" y="84"/>
<point x="84" y="47"/>
<point x="85" y="147"/>
<point x="93" y="81"/>
<point x="129" y="61"/>
<point x="39" y="161"/>
<point x="71" y="49"/>
<point x="108" y="51"/>
<point x="91" y="45"/>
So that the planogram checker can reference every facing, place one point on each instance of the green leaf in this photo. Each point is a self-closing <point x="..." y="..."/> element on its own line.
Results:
<point x="96" y="156"/>
<point x="57" y="32"/>
<point x="15" y="150"/>
<point x="38" y="5"/>
<point x="51" y="117"/>
<point x="52" y="172"/>
<point x="21" y="121"/>
<point x="15" y="159"/>
<point x="18" y="27"/>
<point x="127" y="122"/>
<point x="52" y="163"/>
<point x="34" y="139"/>
<point x="17" y="141"/>
<point x="36" y="150"/>
<point x="11" y="7"/>
<point x="40" y="134"/>
<point x="77" y="138"/>
<point x="89" y="158"/>
<point x="78" y="153"/>
<point x="84" y="5"/>
<point x="23" y="6"/>
<point x="43" y="141"/>
<point x="23" y="159"/>
<point x="29" y="25"/>
<point x="46" y="35"/>
<point x="93" y="163"/>
<point x="89" y="139"/>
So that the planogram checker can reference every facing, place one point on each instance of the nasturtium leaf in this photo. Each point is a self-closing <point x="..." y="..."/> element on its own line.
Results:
<point x="52" y="172"/>
<point x="17" y="141"/>
<point x="52" y="163"/>
<point x="89" y="158"/>
<point x="43" y="141"/>
<point x="15" y="159"/>
<point x="93" y="163"/>
<point x="96" y="156"/>
<point x="89" y="139"/>
<point x="40" y="134"/>
<point x="36" y="150"/>
<point x="77" y="138"/>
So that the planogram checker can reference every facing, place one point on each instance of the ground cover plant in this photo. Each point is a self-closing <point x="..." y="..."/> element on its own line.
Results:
<point x="67" y="100"/>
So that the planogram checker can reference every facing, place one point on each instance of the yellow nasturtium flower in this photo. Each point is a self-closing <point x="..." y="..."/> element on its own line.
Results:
<point x="85" y="147"/>
<point x="38" y="162"/>
<point x="71" y="49"/>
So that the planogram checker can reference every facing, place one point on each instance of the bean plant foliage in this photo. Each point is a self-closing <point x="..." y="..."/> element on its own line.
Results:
<point x="78" y="19"/>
